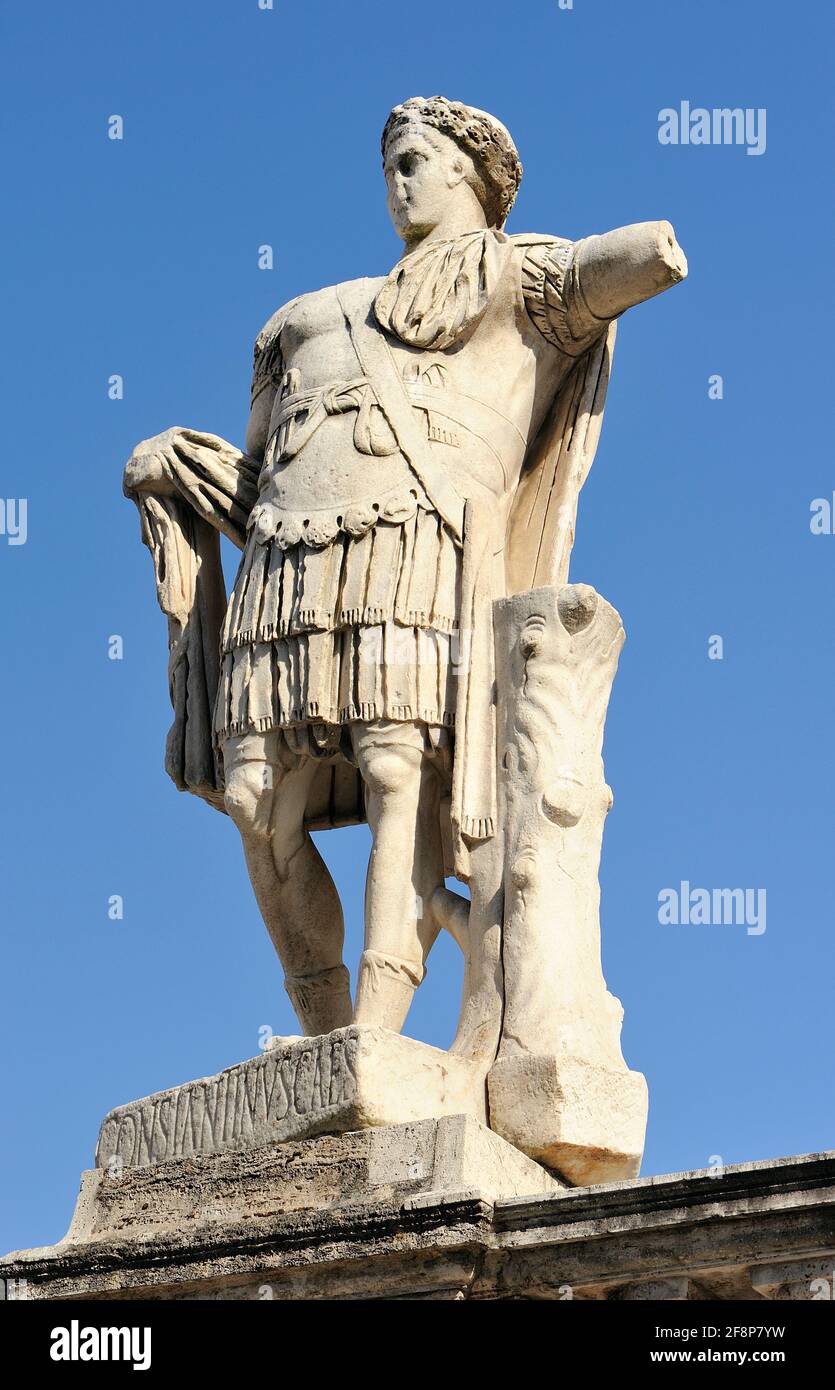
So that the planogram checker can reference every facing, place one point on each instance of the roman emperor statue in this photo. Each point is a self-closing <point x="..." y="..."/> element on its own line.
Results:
<point x="415" y="447"/>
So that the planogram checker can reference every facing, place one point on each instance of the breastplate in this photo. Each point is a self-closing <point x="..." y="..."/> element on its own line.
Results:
<point x="331" y="464"/>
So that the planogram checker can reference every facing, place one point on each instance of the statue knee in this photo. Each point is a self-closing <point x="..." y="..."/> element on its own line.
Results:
<point x="390" y="771"/>
<point x="249" y="797"/>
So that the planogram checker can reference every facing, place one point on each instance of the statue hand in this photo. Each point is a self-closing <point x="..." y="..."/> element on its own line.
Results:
<point x="145" y="470"/>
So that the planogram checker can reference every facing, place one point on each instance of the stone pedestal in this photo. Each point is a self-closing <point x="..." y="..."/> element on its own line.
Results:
<point x="170" y="1228"/>
<point x="352" y="1078"/>
<point x="579" y="1117"/>
<point x="440" y="1209"/>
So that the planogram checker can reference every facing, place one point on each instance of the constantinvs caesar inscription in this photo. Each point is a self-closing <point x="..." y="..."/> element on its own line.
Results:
<point x="254" y="1103"/>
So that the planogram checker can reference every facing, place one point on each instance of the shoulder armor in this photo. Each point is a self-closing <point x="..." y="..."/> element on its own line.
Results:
<point x="266" y="338"/>
<point x="538" y="239"/>
<point x="266" y="363"/>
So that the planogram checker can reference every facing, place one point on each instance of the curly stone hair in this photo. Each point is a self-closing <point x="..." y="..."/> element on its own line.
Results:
<point x="479" y="135"/>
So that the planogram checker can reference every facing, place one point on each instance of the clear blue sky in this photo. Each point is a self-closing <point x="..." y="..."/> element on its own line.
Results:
<point x="139" y="257"/>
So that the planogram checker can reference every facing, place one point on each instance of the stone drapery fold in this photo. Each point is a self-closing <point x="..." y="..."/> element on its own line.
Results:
<point x="204" y="486"/>
<point x="436" y="294"/>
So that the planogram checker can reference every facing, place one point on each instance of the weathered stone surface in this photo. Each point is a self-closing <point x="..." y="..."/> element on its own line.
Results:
<point x="394" y="1163"/>
<point x="577" y="1116"/>
<point x="307" y="1221"/>
<point x="560" y="1088"/>
<point x="413" y="1166"/>
<point x="797" y="1280"/>
<point x="349" y="1079"/>
<point x="679" y="1289"/>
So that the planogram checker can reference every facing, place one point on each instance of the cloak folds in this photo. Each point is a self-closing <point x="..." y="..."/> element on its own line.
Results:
<point x="537" y="547"/>
<point x="206" y="486"/>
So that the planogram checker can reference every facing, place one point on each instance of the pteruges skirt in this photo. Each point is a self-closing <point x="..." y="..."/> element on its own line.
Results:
<point x="364" y="628"/>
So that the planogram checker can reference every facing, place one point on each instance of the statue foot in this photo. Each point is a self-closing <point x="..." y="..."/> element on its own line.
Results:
<point x="385" y="989"/>
<point x="322" y="1001"/>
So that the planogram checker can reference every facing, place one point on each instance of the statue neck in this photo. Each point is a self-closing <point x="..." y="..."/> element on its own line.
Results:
<point x="457" y="222"/>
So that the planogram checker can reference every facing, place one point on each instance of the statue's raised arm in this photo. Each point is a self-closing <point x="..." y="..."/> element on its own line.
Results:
<point x="622" y="268"/>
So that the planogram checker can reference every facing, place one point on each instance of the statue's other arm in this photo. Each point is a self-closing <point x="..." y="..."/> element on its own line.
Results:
<point x="625" y="267"/>
<point x="572" y="292"/>
<point x="574" y="289"/>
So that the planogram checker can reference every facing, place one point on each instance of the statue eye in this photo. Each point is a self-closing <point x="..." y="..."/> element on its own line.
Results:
<point x="407" y="163"/>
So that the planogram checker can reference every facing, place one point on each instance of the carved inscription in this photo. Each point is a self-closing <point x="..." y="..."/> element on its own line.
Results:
<point x="276" y="1096"/>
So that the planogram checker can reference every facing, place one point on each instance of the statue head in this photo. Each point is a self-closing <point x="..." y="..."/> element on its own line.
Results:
<point x="440" y="156"/>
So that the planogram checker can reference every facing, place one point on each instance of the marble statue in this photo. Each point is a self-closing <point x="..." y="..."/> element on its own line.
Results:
<point x="402" y="645"/>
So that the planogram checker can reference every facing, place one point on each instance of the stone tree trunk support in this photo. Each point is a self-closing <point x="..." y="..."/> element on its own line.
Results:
<point x="559" y="1088"/>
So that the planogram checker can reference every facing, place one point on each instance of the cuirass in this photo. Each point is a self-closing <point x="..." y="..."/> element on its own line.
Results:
<point x="330" y="484"/>
<point x="332" y="462"/>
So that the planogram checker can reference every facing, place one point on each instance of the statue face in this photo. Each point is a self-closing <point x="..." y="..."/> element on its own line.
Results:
<point x="422" y="170"/>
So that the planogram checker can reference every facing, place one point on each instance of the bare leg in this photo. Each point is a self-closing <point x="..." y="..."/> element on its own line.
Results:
<point x="406" y="867"/>
<point x="295" y="892"/>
